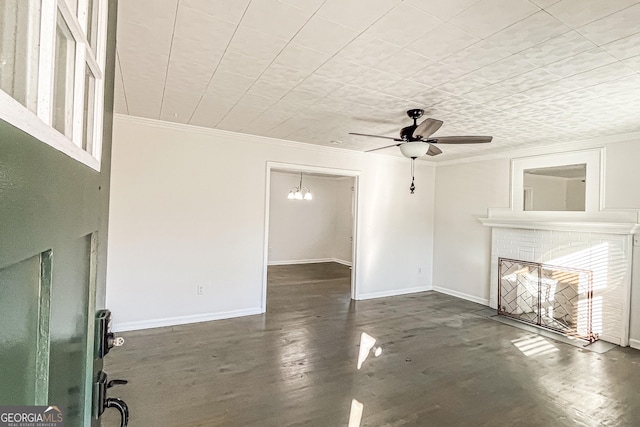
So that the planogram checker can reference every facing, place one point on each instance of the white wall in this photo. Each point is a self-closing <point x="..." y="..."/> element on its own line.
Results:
<point x="623" y="192"/>
<point x="464" y="192"/>
<point x="344" y="220"/>
<point x="462" y="245"/>
<point x="309" y="230"/>
<point x="178" y="221"/>
<point x="622" y="176"/>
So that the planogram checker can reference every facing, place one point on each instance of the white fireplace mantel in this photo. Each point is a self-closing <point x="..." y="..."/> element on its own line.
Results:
<point x="601" y="221"/>
<point x="609" y="227"/>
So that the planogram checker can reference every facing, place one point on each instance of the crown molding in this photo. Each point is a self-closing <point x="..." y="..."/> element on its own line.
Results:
<point x="229" y="135"/>
<point x="507" y="154"/>
<point x="245" y="137"/>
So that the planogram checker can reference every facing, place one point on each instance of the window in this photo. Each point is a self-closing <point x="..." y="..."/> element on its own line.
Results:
<point x="52" y="56"/>
<point x="65" y="58"/>
<point x="19" y="40"/>
<point x="92" y="23"/>
<point x="89" y="106"/>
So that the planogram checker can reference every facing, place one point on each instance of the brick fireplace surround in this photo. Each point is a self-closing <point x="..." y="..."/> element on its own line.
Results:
<point x="605" y="248"/>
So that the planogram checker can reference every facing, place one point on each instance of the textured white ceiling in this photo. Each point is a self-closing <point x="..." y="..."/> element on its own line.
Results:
<point x="526" y="72"/>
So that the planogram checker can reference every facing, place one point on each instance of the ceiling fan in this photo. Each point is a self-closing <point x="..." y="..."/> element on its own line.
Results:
<point x="416" y="140"/>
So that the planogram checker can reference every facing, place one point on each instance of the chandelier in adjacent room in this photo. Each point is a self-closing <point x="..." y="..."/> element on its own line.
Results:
<point x="300" y="192"/>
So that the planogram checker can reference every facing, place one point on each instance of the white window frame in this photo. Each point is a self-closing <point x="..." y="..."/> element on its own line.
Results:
<point x="39" y="124"/>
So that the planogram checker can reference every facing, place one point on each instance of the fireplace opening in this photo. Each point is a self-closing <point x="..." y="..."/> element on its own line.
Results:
<point x="552" y="297"/>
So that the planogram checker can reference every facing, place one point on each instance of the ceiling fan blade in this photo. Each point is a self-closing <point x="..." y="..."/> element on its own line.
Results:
<point x="461" y="139"/>
<point x="433" y="150"/>
<point x="427" y="128"/>
<point x="382" y="148"/>
<point x="375" y="136"/>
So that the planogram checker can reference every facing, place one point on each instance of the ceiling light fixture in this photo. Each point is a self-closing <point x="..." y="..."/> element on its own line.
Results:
<point x="413" y="150"/>
<point x="300" y="192"/>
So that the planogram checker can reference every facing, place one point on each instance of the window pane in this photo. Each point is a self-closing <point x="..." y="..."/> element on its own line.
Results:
<point x="63" y="78"/>
<point x="92" y="23"/>
<point x="19" y="42"/>
<point x="73" y="5"/>
<point x="89" y="110"/>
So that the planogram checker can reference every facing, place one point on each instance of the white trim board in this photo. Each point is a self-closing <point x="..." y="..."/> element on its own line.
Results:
<point x="20" y="117"/>
<point x="394" y="292"/>
<point x="183" y="320"/>
<point x="309" y="261"/>
<point x="461" y="295"/>
<point x="634" y="343"/>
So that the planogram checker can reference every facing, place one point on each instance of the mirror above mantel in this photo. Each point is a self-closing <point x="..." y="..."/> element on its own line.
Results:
<point x="565" y="184"/>
<point x="585" y="213"/>
<point x="555" y="188"/>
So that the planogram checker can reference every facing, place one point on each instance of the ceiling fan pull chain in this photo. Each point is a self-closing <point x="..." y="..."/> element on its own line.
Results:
<point x="413" y="186"/>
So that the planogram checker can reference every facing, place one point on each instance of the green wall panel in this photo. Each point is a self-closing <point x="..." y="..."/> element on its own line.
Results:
<point x="19" y="302"/>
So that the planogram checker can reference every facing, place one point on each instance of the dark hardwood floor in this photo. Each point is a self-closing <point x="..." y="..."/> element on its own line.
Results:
<point x="442" y="363"/>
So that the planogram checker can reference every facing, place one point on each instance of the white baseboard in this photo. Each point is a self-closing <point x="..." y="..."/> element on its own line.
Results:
<point x="461" y="295"/>
<point x="309" y="261"/>
<point x="300" y="261"/>
<point x="182" y="320"/>
<point x="634" y="343"/>
<point x="394" y="292"/>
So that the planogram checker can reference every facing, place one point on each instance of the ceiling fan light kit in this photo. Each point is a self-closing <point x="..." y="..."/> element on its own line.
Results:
<point x="416" y="140"/>
<point x="414" y="149"/>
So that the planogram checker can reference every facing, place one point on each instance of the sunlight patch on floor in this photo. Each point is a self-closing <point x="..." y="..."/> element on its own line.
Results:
<point x="534" y="345"/>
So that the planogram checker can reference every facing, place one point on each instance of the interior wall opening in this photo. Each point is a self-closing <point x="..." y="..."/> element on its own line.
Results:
<point x="310" y="241"/>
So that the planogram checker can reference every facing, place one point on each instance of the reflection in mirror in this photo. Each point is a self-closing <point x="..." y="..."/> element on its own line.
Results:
<point x="557" y="188"/>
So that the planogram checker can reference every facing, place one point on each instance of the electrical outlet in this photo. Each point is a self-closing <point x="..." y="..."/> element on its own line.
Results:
<point x="200" y="289"/>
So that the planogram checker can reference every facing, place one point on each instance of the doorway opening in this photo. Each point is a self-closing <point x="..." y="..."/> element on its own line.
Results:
<point x="310" y="239"/>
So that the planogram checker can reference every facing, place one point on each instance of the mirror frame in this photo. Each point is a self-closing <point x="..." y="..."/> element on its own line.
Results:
<point x="591" y="158"/>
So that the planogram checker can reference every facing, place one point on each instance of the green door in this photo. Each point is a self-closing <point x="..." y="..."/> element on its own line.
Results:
<point x="24" y="336"/>
<point x="50" y="207"/>
<point x="53" y="234"/>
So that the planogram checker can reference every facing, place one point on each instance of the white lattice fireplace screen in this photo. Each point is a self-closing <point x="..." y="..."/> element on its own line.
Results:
<point x="553" y="297"/>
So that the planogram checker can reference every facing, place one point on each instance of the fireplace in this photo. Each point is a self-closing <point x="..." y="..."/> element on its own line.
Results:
<point x="552" y="297"/>
<point x="570" y="269"/>
<point x="596" y="257"/>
